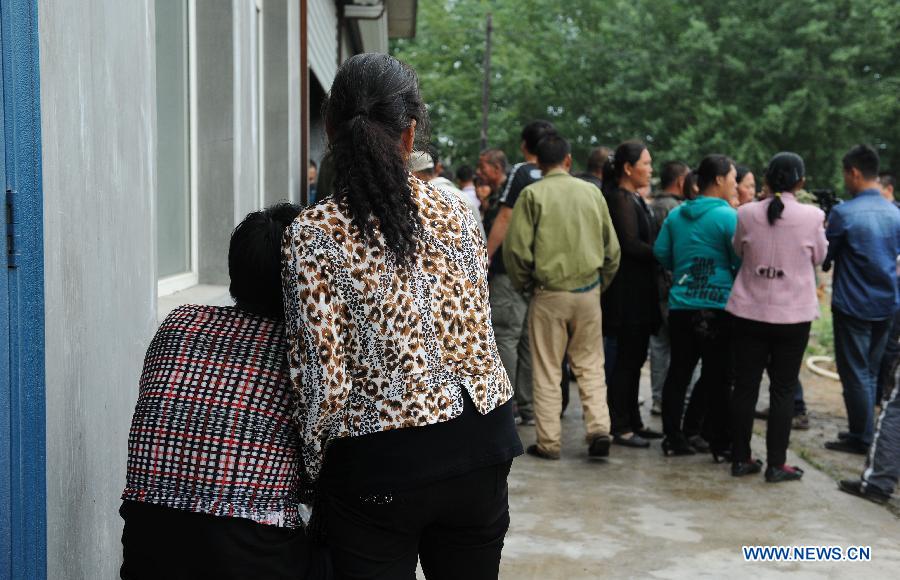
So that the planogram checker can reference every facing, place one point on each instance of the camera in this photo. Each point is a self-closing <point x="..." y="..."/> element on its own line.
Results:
<point x="825" y="199"/>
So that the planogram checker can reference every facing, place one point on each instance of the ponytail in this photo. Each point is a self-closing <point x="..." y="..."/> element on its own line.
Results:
<point x="776" y="207"/>
<point x="710" y="169"/>
<point x="785" y="173"/>
<point x="628" y="152"/>
<point x="609" y="180"/>
<point x="373" y="100"/>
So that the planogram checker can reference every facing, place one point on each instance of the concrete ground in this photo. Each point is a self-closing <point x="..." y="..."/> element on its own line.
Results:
<point x="640" y="515"/>
<point x="827" y="416"/>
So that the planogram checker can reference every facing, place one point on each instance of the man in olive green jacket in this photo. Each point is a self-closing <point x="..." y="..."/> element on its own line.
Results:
<point x="561" y="246"/>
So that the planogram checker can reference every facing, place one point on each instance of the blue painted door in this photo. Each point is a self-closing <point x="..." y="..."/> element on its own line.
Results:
<point x="22" y="394"/>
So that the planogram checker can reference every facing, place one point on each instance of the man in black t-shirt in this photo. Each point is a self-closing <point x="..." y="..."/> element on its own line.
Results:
<point x="594" y="170"/>
<point x="509" y="309"/>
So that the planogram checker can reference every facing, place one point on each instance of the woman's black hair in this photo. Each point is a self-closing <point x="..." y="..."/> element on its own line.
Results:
<point x="254" y="260"/>
<point x="742" y="171"/>
<point x="375" y="98"/>
<point x="785" y="171"/>
<point x="690" y="182"/>
<point x="710" y="168"/>
<point x="614" y="168"/>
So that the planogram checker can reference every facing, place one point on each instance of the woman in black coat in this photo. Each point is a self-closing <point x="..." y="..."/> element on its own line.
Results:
<point x="631" y="304"/>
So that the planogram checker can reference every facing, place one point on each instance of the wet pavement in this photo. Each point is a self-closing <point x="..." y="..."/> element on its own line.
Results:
<point x="640" y="515"/>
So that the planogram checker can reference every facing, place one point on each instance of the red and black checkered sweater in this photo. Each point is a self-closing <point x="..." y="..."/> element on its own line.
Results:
<point x="212" y="431"/>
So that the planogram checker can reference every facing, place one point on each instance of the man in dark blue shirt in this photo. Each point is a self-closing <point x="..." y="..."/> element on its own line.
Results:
<point x="509" y="309"/>
<point x="863" y="244"/>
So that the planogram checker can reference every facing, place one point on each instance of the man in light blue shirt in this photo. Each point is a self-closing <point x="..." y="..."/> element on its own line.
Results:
<point x="863" y="244"/>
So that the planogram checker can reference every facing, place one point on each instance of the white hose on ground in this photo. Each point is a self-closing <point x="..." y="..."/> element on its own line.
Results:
<point x="812" y="364"/>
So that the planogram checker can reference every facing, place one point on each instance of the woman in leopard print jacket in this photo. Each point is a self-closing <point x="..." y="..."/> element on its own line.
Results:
<point x="403" y="404"/>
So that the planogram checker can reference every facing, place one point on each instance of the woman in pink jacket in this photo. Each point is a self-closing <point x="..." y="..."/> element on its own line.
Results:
<point x="774" y="302"/>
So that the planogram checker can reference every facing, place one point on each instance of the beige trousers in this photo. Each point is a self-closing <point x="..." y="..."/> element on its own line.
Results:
<point x="557" y="321"/>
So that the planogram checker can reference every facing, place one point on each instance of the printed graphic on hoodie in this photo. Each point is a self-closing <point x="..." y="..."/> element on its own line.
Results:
<point x="698" y="287"/>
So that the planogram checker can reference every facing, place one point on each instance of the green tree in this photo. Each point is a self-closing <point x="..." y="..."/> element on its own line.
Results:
<point x="689" y="78"/>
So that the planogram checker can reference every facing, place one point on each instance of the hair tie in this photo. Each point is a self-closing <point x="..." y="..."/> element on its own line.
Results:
<point x="778" y="194"/>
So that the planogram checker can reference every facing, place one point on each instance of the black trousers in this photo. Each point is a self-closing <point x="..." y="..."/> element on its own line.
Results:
<point x="699" y="335"/>
<point x="622" y="395"/>
<point x="693" y="421"/>
<point x="162" y="542"/>
<point x="780" y="347"/>
<point x="455" y="527"/>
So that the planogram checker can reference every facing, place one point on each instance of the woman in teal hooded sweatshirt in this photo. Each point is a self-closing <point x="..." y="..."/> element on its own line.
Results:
<point x="695" y="244"/>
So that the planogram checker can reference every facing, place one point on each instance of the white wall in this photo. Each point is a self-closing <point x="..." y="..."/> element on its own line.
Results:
<point x="99" y="172"/>
<point x="98" y="119"/>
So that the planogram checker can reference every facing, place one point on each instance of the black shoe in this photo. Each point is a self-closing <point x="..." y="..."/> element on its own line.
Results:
<point x="783" y="473"/>
<point x="649" y="434"/>
<point x="854" y="487"/>
<point x="599" y="447"/>
<point x="847" y="446"/>
<point x="843" y="435"/>
<point x="633" y="440"/>
<point x="721" y="455"/>
<point x="538" y="452"/>
<point x="698" y="443"/>
<point x="677" y="445"/>
<point x="741" y="468"/>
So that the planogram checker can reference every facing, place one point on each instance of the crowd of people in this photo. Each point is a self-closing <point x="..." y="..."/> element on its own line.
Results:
<point x="355" y="411"/>
<point x="713" y="281"/>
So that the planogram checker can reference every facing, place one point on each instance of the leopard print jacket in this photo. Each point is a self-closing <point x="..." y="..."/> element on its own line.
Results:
<point x="374" y="347"/>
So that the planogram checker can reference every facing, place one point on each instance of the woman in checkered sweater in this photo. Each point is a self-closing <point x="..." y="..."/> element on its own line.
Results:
<point x="213" y="455"/>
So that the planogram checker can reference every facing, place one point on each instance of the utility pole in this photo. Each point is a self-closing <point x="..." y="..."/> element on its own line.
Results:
<point x="486" y="89"/>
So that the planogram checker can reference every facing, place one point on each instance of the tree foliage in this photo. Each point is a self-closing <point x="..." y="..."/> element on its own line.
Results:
<point x="688" y="77"/>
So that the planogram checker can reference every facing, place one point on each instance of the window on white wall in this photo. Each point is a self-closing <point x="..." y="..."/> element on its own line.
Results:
<point x="176" y="214"/>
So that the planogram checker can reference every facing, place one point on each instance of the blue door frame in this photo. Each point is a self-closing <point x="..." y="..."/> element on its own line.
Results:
<point x="23" y="503"/>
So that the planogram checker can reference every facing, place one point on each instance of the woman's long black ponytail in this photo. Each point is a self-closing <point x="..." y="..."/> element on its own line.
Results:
<point x="614" y="167"/>
<point x="776" y="208"/>
<point x="784" y="172"/>
<point x="373" y="100"/>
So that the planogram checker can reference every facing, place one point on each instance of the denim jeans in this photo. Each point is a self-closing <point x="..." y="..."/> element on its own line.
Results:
<point x="858" y="348"/>
<point x="799" y="403"/>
